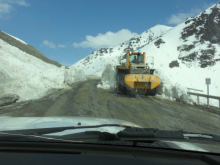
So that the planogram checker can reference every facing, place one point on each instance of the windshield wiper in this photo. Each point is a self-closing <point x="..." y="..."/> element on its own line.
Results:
<point x="129" y="133"/>
<point x="39" y="134"/>
<point x="74" y="137"/>
<point x="156" y="133"/>
<point x="149" y="133"/>
<point x="199" y="136"/>
<point x="42" y="131"/>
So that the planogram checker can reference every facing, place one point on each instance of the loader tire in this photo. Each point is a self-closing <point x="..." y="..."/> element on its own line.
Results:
<point x="132" y="93"/>
<point x="153" y="92"/>
<point x="121" y="89"/>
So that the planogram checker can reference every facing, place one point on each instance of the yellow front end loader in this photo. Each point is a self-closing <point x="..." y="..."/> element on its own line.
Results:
<point x="134" y="76"/>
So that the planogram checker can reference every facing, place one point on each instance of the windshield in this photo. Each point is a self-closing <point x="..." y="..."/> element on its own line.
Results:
<point x="64" y="63"/>
<point x="135" y="58"/>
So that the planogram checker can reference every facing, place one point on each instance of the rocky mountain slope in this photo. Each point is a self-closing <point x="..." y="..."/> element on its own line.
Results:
<point x="188" y="54"/>
<point x="205" y="32"/>
<point x="95" y="61"/>
<point x="184" y="56"/>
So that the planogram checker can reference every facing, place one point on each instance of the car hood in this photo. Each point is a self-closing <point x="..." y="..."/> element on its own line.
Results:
<point x="19" y="123"/>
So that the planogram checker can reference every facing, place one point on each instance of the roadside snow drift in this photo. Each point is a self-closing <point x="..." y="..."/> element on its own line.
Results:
<point x="30" y="77"/>
<point x="108" y="80"/>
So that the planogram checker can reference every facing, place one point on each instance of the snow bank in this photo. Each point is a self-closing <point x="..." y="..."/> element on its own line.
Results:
<point x="108" y="80"/>
<point x="73" y="75"/>
<point x="30" y="77"/>
<point x="170" y="88"/>
<point x="177" y="80"/>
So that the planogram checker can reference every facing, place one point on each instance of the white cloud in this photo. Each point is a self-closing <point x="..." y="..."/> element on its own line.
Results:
<point x="6" y="6"/>
<point x="61" y="46"/>
<point x="52" y="45"/>
<point x="180" y="17"/>
<point x="106" y="40"/>
<point x="49" y="44"/>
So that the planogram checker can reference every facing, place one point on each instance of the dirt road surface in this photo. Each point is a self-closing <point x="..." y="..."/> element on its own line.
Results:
<point x="84" y="99"/>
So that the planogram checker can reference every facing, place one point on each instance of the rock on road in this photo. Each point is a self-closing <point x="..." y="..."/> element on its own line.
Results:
<point x="84" y="99"/>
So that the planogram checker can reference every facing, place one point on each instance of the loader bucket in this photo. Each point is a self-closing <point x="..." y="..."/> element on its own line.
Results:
<point x="142" y="81"/>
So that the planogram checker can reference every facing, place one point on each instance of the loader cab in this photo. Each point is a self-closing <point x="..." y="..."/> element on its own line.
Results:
<point x="135" y="57"/>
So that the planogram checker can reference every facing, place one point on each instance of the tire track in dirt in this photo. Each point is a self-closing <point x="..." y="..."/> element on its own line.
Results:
<point x="84" y="99"/>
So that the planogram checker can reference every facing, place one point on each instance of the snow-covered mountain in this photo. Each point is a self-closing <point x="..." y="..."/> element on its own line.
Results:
<point x="184" y="56"/>
<point x="188" y="54"/>
<point x="28" y="74"/>
<point x="96" y="61"/>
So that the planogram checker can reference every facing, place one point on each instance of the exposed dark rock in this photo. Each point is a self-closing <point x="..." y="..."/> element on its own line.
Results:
<point x="205" y="28"/>
<point x="174" y="64"/>
<point x="206" y="58"/>
<point x="188" y="20"/>
<point x="8" y="99"/>
<point x="159" y="42"/>
<point x="128" y="49"/>
<point x="191" y="57"/>
<point x="210" y="29"/>
<point x="185" y="47"/>
<point x="207" y="63"/>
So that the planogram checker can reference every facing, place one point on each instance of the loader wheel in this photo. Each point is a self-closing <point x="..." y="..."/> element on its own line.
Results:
<point x="120" y="82"/>
<point x="118" y="85"/>
<point x="118" y="88"/>
<point x="153" y="92"/>
<point x="147" y="93"/>
<point x="132" y="93"/>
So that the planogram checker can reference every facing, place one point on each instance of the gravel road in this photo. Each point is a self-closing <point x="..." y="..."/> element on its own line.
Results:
<point x="86" y="100"/>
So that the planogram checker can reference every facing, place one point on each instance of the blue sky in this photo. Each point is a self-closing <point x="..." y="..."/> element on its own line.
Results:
<point x="69" y="30"/>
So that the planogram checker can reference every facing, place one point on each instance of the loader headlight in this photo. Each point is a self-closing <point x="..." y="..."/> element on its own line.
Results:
<point x="133" y="67"/>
